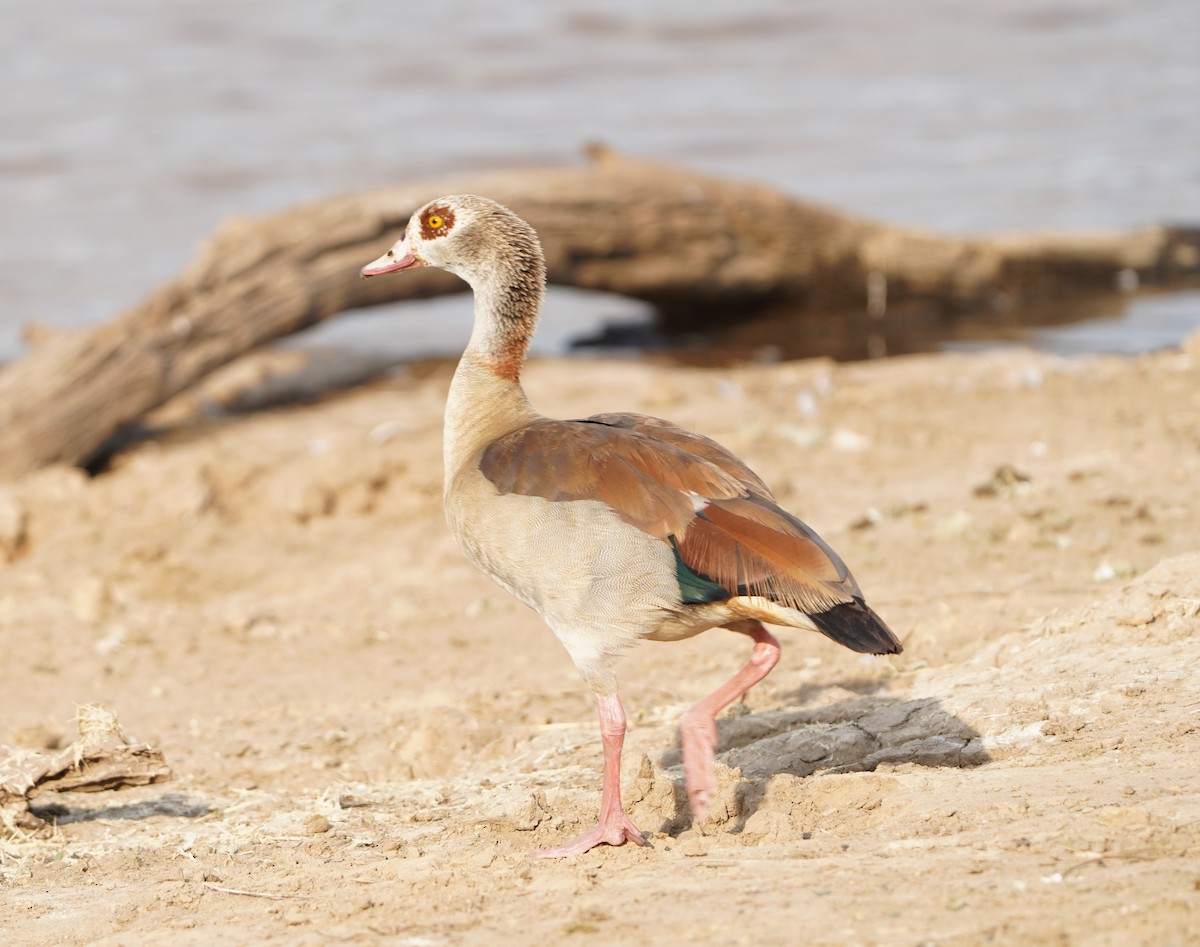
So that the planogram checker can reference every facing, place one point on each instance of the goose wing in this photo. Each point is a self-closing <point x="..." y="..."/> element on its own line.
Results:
<point x="729" y="536"/>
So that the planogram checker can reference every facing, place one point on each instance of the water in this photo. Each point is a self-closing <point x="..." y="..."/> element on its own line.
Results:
<point x="133" y="127"/>
<point x="1144" y="324"/>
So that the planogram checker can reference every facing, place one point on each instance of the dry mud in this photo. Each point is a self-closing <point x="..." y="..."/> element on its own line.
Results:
<point x="368" y="737"/>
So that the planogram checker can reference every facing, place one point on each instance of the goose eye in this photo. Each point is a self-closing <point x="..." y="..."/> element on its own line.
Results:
<point x="435" y="222"/>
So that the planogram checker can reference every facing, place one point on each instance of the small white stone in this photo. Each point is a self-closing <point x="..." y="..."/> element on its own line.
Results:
<point x="806" y="405"/>
<point x="846" y="440"/>
<point x="1104" y="573"/>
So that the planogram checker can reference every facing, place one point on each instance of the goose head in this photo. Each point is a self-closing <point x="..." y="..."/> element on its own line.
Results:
<point x="470" y="236"/>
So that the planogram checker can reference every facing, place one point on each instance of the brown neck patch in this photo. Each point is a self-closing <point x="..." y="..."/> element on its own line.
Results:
<point x="507" y="354"/>
<point x="508" y="365"/>
<point x="437" y="221"/>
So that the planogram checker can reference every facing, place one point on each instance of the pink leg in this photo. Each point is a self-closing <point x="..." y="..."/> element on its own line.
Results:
<point x="614" y="827"/>
<point x="698" y="729"/>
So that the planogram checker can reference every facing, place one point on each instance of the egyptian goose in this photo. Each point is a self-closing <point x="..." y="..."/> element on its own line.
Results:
<point x="618" y="527"/>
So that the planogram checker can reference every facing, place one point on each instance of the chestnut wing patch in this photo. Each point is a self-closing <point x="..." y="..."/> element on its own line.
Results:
<point x="696" y="444"/>
<point x="729" y="536"/>
<point x="749" y="546"/>
<point x="653" y="485"/>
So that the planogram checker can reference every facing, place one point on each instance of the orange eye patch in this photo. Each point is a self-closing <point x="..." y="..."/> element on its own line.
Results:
<point x="436" y="222"/>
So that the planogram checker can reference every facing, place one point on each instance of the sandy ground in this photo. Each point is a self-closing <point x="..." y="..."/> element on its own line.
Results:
<point x="368" y="737"/>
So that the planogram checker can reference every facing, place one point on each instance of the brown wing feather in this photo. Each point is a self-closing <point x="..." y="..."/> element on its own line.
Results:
<point x="649" y="483"/>
<point x="695" y="444"/>
<point x="752" y="547"/>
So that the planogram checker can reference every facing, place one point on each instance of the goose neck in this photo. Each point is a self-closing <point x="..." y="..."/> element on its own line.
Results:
<point x="508" y="298"/>
<point x="480" y="407"/>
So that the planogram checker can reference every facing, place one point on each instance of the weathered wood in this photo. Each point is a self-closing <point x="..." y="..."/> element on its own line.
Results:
<point x="699" y="249"/>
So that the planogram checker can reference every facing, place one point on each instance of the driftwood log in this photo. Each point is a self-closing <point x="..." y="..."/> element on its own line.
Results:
<point x="699" y="249"/>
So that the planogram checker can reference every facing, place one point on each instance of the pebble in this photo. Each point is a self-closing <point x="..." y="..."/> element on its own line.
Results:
<point x="850" y="441"/>
<point x="692" y="848"/>
<point x="91" y="599"/>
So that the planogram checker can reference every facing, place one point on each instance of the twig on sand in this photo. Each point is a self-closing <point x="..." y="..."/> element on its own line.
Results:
<point x="254" y="894"/>
<point x="1139" y="855"/>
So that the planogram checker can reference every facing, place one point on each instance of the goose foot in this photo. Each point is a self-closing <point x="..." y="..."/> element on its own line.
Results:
<point x="614" y="827"/>
<point x="616" y="830"/>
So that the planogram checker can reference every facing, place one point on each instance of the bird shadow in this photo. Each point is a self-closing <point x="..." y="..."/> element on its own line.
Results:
<point x="854" y="735"/>
<point x="173" y="805"/>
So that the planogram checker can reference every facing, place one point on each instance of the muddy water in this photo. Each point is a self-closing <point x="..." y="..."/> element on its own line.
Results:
<point x="132" y="129"/>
